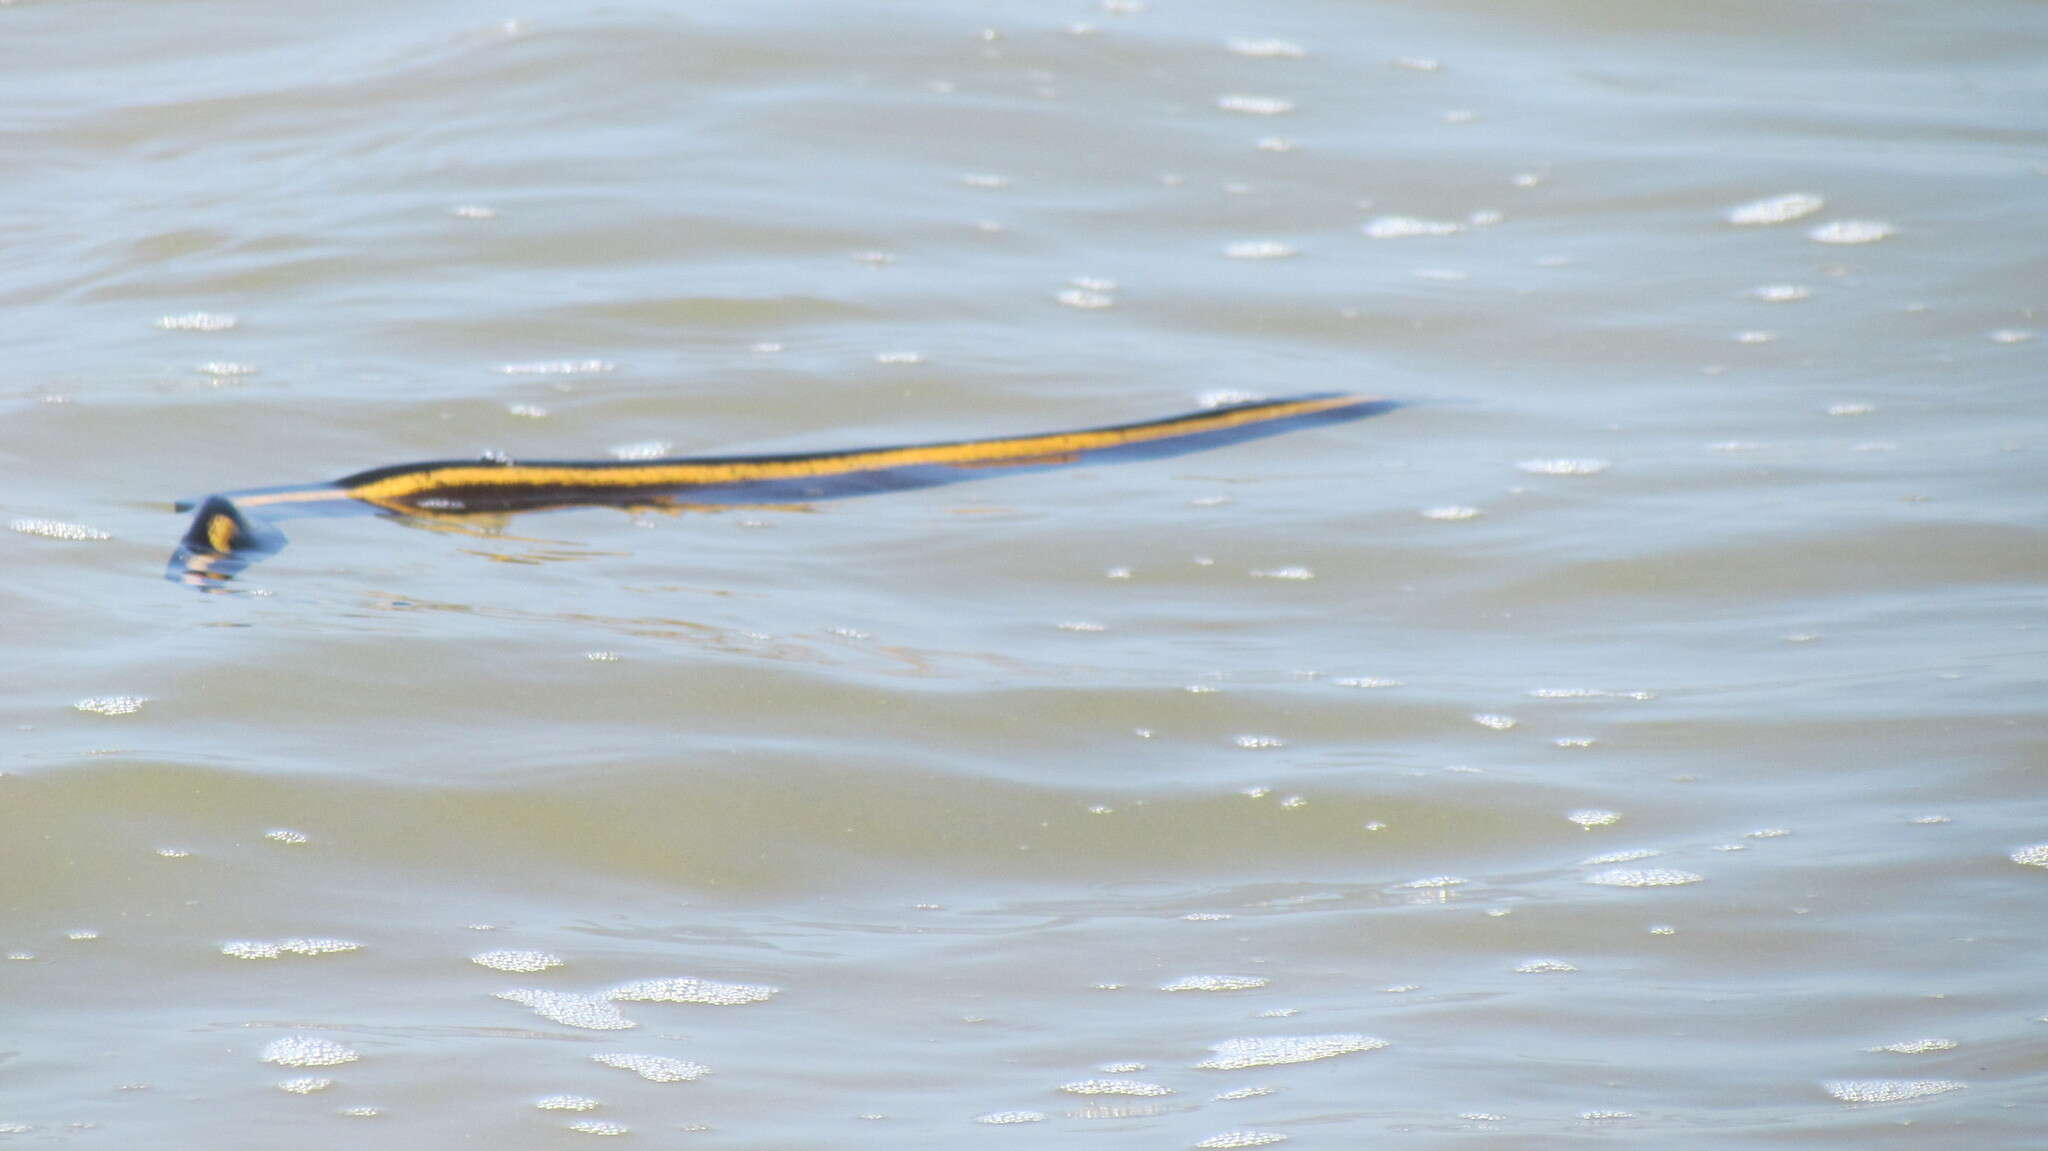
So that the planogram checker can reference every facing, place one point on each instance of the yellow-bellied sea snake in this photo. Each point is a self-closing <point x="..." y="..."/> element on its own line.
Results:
<point x="234" y="528"/>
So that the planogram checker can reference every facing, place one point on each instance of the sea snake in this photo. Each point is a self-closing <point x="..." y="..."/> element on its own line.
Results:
<point x="232" y="529"/>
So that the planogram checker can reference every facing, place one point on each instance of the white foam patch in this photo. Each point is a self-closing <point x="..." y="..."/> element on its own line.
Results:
<point x="307" y="1051"/>
<point x="1450" y="512"/>
<point x="522" y="962"/>
<point x="1916" y="1046"/>
<point x="1005" y="1118"/>
<point x="1644" y="877"/>
<point x="569" y="1009"/>
<point x="1115" y="1087"/>
<point x="1777" y="209"/>
<point x="599" y="1127"/>
<point x="304" y="1085"/>
<point x="1242" y="1139"/>
<point x="1403" y="227"/>
<point x="1591" y="817"/>
<point x="1216" y="983"/>
<point x="1888" y="1090"/>
<point x="1259" y="250"/>
<point x="1496" y="722"/>
<point x="57" y="530"/>
<point x="644" y="450"/>
<point x="1242" y="1093"/>
<point x="1620" y="857"/>
<point x="1084" y="299"/>
<point x="1293" y="572"/>
<point x="2033" y="856"/>
<point x="286" y="835"/>
<point x="112" y="704"/>
<point x="684" y="989"/>
<point x="1434" y="882"/>
<point x="1265" y="49"/>
<point x="1255" y="105"/>
<point x="1564" y="467"/>
<point x="654" y="1068"/>
<point x="278" y="948"/>
<point x="557" y="368"/>
<point x="1851" y="232"/>
<point x="566" y="1103"/>
<point x="197" y="322"/>
<point x="1273" y="1051"/>
<point x="1543" y="967"/>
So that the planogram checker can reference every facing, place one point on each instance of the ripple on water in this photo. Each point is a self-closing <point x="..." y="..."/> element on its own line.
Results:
<point x="654" y="1068"/>
<point x="307" y="1051"/>
<point x="1273" y="1051"/>
<point x="1216" y="983"/>
<point x="521" y="962"/>
<point x="57" y="530"/>
<point x="1644" y="877"/>
<point x="1888" y="1090"/>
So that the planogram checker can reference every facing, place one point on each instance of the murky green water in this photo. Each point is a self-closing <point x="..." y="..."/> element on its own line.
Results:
<point x="1637" y="740"/>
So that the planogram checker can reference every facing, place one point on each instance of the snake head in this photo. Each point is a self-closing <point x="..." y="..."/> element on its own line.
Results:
<point x="221" y="542"/>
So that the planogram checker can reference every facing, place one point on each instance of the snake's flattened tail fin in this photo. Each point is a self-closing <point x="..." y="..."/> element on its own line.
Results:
<point x="220" y="542"/>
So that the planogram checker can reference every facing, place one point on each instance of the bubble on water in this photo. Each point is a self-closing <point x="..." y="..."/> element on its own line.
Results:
<point x="197" y="322"/>
<point x="285" y="835"/>
<point x="58" y="530"/>
<point x="173" y="853"/>
<point x="1915" y="1046"/>
<point x="1265" y="49"/>
<point x="1574" y="741"/>
<point x="2010" y="335"/>
<point x="654" y="1068"/>
<point x="1481" y="1116"/>
<point x="1543" y="967"/>
<point x="1294" y="802"/>
<point x="1496" y="722"/>
<point x="1242" y="1139"/>
<point x="1435" y="882"/>
<point x="1259" y="250"/>
<point x="1780" y="293"/>
<point x="307" y="1051"/>
<point x="566" y="1103"/>
<point x="1587" y="693"/>
<point x="1004" y="1118"/>
<point x="1080" y="625"/>
<point x="1084" y="299"/>
<point x="1564" y="467"/>
<point x="304" y="1085"/>
<point x="1258" y="742"/>
<point x="557" y="368"/>
<point x="1273" y="1051"/>
<point x="570" y="1009"/>
<point x="1401" y="988"/>
<point x="602" y="656"/>
<point x="598" y="1127"/>
<point x="1216" y="983"/>
<point x="1620" y="857"/>
<point x="1402" y="227"/>
<point x="362" y="1112"/>
<point x="523" y="962"/>
<point x="1291" y="572"/>
<point x="1120" y="1068"/>
<point x="684" y="989"/>
<point x="1754" y="336"/>
<point x="1206" y="916"/>
<point x="1644" y="877"/>
<point x="1243" y="1093"/>
<point x="1115" y="1087"/>
<point x="644" y="450"/>
<point x="1449" y="512"/>
<point x="277" y="949"/>
<point x="1366" y="681"/>
<point x="112" y="704"/>
<point x="1851" y="232"/>
<point x="1255" y="105"/>
<point x="1777" y="209"/>
<point x="985" y="180"/>
<point x="1851" y="409"/>
<point x="2035" y="855"/>
<point x="1598" y="1115"/>
<point x="1929" y="820"/>
<point x="899" y="357"/>
<point x="81" y="935"/>
<point x="1888" y="1090"/>
<point x="1767" y="833"/>
<point x="1592" y="817"/>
